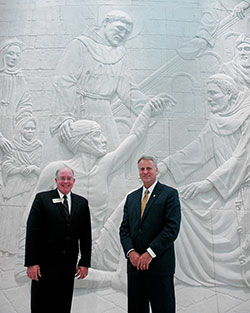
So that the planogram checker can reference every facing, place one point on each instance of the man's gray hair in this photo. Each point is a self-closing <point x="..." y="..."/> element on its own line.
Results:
<point x="64" y="167"/>
<point x="148" y="157"/>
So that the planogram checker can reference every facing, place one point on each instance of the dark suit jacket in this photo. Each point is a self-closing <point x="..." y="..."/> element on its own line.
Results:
<point x="157" y="229"/>
<point x="51" y="237"/>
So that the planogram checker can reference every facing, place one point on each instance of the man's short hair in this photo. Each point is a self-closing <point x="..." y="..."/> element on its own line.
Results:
<point x="148" y="157"/>
<point x="61" y="168"/>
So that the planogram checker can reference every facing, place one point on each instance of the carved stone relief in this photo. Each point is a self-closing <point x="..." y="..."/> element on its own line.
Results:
<point x="109" y="106"/>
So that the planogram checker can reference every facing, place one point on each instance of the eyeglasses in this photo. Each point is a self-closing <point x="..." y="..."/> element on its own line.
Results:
<point x="65" y="178"/>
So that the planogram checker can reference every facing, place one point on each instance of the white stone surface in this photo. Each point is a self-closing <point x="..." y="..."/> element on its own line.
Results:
<point x="53" y="74"/>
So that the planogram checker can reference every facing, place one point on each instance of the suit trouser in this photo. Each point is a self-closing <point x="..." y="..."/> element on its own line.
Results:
<point x="54" y="290"/>
<point x="156" y="290"/>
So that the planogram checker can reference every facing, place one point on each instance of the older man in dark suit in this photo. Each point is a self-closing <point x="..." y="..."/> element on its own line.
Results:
<point x="150" y="225"/>
<point x="58" y="225"/>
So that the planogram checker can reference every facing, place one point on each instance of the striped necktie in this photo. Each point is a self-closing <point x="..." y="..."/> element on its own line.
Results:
<point x="66" y="205"/>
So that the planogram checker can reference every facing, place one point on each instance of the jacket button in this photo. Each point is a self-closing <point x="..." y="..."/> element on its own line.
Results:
<point x="140" y="230"/>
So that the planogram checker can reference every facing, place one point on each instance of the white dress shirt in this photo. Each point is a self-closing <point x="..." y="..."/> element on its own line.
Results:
<point x="150" y="189"/>
<point x="68" y="198"/>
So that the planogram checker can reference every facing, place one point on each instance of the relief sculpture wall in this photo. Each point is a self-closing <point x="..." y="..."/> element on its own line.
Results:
<point x="94" y="85"/>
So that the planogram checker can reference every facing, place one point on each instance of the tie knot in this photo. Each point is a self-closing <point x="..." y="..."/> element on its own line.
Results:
<point x="65" y="197"/>
<point x="146" y="192"/>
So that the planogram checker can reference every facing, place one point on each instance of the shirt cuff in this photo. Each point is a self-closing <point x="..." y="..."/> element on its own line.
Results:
<point x="129" y="252"/>
<point x="151" y="252"/>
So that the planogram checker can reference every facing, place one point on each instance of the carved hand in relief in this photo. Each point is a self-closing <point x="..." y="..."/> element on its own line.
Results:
<point x="193" y="189"/>
<point x="161" y="102"/>
<point x="5" y="144"/>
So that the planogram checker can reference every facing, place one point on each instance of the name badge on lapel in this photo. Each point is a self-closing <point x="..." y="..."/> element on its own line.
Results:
<point x="57" y="200"/>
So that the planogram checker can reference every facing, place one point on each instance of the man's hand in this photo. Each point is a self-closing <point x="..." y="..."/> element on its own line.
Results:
<point x="134" y="257"/>
<point x="33" y="272"/>
<point x="81" y="272"/>
<point x="144" y="261"/>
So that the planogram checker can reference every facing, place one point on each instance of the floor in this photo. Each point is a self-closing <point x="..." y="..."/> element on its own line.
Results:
<point x="189" y="300"/>
<point x="15" y="299"/>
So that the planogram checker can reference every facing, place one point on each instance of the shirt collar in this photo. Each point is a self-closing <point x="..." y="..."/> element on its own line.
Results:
<point x="62" y="195"/>
<point x="151" y="188"/>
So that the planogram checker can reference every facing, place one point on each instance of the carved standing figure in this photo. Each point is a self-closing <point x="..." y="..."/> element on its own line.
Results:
<point x="210" y="206"/>
<point x="21" y="166"/>
<point x="20" y="171"/>
<point x="15" y="99"/>
<point x="94" y="70"/>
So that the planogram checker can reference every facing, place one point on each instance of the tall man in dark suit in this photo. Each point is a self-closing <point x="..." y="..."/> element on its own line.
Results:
<point x="150" y="225"/>
<point x="58" y="225"/>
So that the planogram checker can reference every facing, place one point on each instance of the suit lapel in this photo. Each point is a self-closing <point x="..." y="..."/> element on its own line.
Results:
<point x="59" y="205"/>
<point x="56" y="203"/>
<point x="138" y="202"/>
<point x="73" y="205"/>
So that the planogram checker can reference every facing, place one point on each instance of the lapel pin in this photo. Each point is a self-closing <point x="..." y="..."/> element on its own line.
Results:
<point x="57" y="200"/>
<point x="153" y="195"/>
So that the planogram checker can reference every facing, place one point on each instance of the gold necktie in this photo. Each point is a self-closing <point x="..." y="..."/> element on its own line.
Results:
<point x="144" y="201"/>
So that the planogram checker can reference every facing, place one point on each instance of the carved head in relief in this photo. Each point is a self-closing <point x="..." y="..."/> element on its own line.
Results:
<point x="87" y="137"/>
<point x="29" y="129"/>
<point x="26" y="128"/>
<point x="222" y="92"/>
<point x="117" y="26"/>
<point x="243" y="48"/>
<point x="10" y="55"/>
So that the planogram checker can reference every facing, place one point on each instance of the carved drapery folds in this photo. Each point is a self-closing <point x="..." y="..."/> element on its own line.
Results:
<point x="191" y="111"/>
